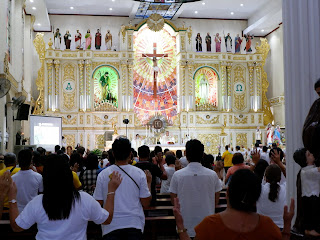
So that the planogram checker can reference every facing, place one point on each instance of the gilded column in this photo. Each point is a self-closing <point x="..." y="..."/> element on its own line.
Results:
<point x="224" y="86"/>
<point x="130" y="86"/>
<point x="88" y="85"/>
<point x="49" y="71"/>
<point x="124" y="81"/>
<point x="257" y="68"/>
<point x="56" y="84"/>
<point x="190" y="102"/>
<point x="81" y="85"/>
<point x="182" y="86"/>
<point x="229" y="81"/>
<point x="251" y="85"/>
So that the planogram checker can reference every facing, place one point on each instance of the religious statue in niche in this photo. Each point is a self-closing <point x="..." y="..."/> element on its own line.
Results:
<point x="269" y="134"/>
<point x="67" y="39"/>
<point x="98" y="39"/>
<point x="199" y="43"/>
<point x="77" y="39"/>
<point x="228" y="42"/>
<point x="208" y="42"/>
<point x="57" y="39"/>
<point x="108" y="40"/>
<point x="88" y="38"/>
<point x="238" y="41"/>
<point x="106" y="88"/>
<point x="248" y="38"/>
<point x="204" y="89"/>
<point x="217" y="39"/>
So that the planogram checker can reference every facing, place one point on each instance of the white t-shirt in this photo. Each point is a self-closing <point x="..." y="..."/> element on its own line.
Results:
<point x="105" y="162"/>
<point x="195" y="186"/>
<point x="184" y="162"/>
<point x="165" y="184"/>
<point x="265" y="156"/>
<point x="73" y="228"/>
<point x="29" y="184"/>
<point x="128" y="212"/>
<point x="310" y="181"/>
<point x="274" y="210"/>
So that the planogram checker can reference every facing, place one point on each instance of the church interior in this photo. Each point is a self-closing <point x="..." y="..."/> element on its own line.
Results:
<point x="161" y="72"/>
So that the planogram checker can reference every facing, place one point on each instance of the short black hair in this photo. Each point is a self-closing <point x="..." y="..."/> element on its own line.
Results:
<point x="104" y="155"/>
<point x="264" y="148"/>
<point x="144" y="152"/>
<point x="260" y="169"/>
<point x="170" y="159"/>
<point x="56" y="148"/>
<point x="273" y="150"/>
<point x="10" y="159"/>
<point x="194" y="150"/>
<point x="227" y="147"/>
<point x="317" y="84"/>
<point x="111" y="158"/>
<point x="256" y="144"/>
<point x="165" y="151"/>
<point x="244" y="190"/>
<point x="237" y="158"/>
<point x="81" y="150"/>
<point x="63" y="149"/>
<point x="207" y="161"/>
<point x="157" y="149"/>
<point x="237" y="148"/>
<point x="92" y="161"/>
<point x="274" y="145"/>
<point x="179" y="154"/>
<point x="24" y="158"/>
<point x="300" y="158"/>
<point x="121" y="149"/>
<point x="41" y="150"/>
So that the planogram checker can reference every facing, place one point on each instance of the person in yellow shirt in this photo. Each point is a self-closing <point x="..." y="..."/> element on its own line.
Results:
<point x="227" y="158"/>
<point x="10" y="160"/>
<point x="76" y="182"/>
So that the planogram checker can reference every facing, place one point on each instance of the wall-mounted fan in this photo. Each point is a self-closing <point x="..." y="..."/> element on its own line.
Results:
<point x="5" y="86"/>
<point x="17" y="102"/>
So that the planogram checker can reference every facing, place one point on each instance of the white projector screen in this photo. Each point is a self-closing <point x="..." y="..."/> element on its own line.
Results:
<point x="45" y="131"/>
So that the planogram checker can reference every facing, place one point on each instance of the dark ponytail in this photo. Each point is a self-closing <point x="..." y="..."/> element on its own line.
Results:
<point x="273" y="176"/>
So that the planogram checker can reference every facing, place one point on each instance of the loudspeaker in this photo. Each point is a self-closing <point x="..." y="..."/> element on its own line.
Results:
<point x="23" y="112"/>
<point x="126" y="121"/>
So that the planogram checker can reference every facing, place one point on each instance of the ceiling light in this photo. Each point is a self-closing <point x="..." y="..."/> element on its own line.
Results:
<point x="113" y="0"/>
<point x="241" y="5"/>
<point x="31" y="0"/>
<point x="34" y="8"/>
<point x="262" y="30"/>
<point x="39" y="24"/>
<point x="110" y="9"/>
<point x="232" y="13"/>
<point x="71" y="7"/>
<point x="203" y="3"/>
<point x="195" y="12"/>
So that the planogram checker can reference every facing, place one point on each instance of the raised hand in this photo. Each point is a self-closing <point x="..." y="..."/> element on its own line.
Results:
<point x="275" y="156"/>
<point x="114" y="182"/>
<point x="255" y="156"/>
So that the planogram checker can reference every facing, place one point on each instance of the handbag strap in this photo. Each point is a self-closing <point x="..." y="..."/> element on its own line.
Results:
<point x="128" y="176"/>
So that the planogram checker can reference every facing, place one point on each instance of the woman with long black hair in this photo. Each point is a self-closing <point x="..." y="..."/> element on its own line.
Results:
<point x="61" y="211"/>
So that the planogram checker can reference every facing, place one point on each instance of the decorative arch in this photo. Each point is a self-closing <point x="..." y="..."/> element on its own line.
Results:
<point x="166" y="21"/>
<point x="105" y="80"/>
<point x="206" y="88"/>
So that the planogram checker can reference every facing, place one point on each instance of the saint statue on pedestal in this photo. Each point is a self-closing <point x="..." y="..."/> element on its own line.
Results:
<point x="269" y="134"/>
<point x="248" y="38"/>
<point x="258" y="135"/>
<point x="208" y="42"/>
<point x="277" y="135"/>
<point x="88" y="38"/>
<point x="204" y="89"/>
<point x="108" y="40"/>
<point x="199" y="43"/>
<point x="238" y="41"/>
<point x="77" y="39"/>
<point x="228" y="42"/>
<point x="98" y="39"/>
<point x="57" y="39"/>
<point x="67" y="39"/>
<point x="217" y="39"/>
<point x="105" y="87"/>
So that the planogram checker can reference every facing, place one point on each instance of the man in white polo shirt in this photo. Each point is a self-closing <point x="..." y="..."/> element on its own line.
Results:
<point x="198" y="188"/>
<point x="133" y="194"/>
<point x="29" y="183"/>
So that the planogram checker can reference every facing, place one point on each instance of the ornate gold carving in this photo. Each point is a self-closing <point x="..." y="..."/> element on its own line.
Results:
<point x="213" y="65"/>
<point x="184" y="119"/>
<point x="252" y="119"/>
<point x="206" y="107"/>
<point x="230" y="119"/>
<point x="239" y="99"/>
<point x="277" y="101"/>
<point x="88" y="81"/>
<point x="240" y="58"/>
<point x="112" y="64"/>
<point x="207" y="56"/>
<point x="81" y="119"/>
<point x="99" y="141"/>
<point x="229" y="66"/>
<point x="88" y="119"/>
<point x="264" y="49"/>
<point x="70" y="139"/>
<point x="241" y="121"/>
<point x="69" y="55"/>
<point x="106" y="55"/>
<point x="72" y="121"/>
<point x="88" y="140"/>
<point x="191" y="119"/>
<point x="81" y="139"/>
<point x="155" y="22"/>
<point x="98" y="121"/>
<point x="130" y="41"/>
<point x="189" y="32"/>
<point x="40" y="46"/>
<point x="176" y="120"/>
<point x="241" y="139"/>
<point x="81" y="77"/>
<point x="69" y="100"/>
<point x="69" y="72"/>
<point x="260" y="119"/>
<point x="50" y="43"/>
<point x="251" y="83"/>
<point x="105" y="107"/>
<point x="57" y="77"/>
<point x="124" y="69"/>
<point x="183" y="43"/>
<point x="210" y="142"/>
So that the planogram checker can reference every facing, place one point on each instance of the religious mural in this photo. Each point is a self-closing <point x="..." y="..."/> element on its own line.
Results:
<point x="155" y="80"/>
<point x="206" y="87"/>
<point x="105" y="80"/>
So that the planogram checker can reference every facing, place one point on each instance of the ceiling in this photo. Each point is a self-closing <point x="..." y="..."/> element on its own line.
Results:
<point x="266" y="14"/>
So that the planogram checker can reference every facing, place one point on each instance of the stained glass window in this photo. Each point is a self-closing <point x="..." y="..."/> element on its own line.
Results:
<point x="165" y="103"/>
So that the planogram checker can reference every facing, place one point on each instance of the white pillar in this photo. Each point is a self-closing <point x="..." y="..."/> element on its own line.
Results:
<point x="301" y="29"/>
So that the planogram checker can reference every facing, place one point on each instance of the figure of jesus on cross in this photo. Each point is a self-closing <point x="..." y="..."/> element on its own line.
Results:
<point x="155" y="66"/>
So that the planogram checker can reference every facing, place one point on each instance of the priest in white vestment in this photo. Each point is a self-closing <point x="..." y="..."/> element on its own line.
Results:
<point x="166" y="139"/>
<point x="137" y="142"/>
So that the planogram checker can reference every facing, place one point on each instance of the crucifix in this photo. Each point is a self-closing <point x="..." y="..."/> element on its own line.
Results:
<point x="155" y="66"/>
